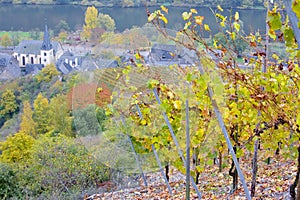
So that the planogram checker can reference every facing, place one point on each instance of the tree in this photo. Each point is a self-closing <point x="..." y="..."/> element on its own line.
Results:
<point x="91" y="22"/>
<point x="106" y="22"/>
<point x="6" y="40"/>
<point x="47" y="73"/>
<point x="8" y="104"/>
<point x="62" y="36"/>
<point x="86" y="121"/>
<point x="94" y="20"/>
<point x="35" y="34"/>
<point x="27" y="124"/>
<point x="41" y="115"/>
<point x="60" y="117"/>
<point x="8" y="182"/>
<point x="86" y="34"/>
<point x="62" y="26"/>
<point x="91" y="17"/>
<point x="15" y="37"/>
<point x="16" y="148"/>
<point x="127" y="3"/>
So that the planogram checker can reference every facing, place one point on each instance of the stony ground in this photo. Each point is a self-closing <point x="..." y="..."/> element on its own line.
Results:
<point x="273" y="182"/>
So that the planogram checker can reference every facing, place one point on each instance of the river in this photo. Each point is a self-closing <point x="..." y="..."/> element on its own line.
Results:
<point x="32" y="17"/>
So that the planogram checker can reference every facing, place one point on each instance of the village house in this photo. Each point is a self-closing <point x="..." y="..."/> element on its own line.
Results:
<point x="166" y="54"/>
<point x="68" y="62"/>
<point x="9" y="68"/>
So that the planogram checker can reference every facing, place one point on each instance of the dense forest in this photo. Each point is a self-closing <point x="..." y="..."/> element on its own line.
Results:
<point x="137" y="3"/>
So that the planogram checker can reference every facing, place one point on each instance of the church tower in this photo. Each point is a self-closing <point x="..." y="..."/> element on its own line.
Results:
<point x="47" y="53"/>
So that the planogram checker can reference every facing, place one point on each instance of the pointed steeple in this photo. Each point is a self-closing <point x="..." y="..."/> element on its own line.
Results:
<point x="46" y="42"/>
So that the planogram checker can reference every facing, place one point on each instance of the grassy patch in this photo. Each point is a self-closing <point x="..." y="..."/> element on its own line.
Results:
<point x="19" y="33"/>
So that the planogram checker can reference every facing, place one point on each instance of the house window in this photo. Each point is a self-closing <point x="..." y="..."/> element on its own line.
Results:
<point x="45" y="54"/>
<point x="45" y="60"/>
<point x="31" y="60"/>
<point x="23" y="60"/>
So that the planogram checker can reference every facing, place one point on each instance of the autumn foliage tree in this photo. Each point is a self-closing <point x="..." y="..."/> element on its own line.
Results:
<point x="61" y="121"/>
<point x="47" y="73"/>
<point x="6" y="40"/>
<point x="8" y="104"/>
<point x="41" y="115"/>
<point x="27" y="125"/>
<point x="16" y="148"/>
<point x="91" y="21"/>
<point x="62" y="36"/>
<point x="94" y="20"/>
<point x="106" y="22"/>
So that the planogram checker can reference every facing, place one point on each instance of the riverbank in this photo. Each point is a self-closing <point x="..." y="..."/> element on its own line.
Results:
<point x="132" y="5"/>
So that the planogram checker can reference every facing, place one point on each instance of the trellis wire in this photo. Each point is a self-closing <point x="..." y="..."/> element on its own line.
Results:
<point x="156" y="156"/>
<point x="176" y="142"/>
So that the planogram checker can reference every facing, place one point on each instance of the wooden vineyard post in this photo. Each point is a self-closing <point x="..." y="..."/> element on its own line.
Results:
<point x="156" y="157"/>
<point x="176" y="142"/>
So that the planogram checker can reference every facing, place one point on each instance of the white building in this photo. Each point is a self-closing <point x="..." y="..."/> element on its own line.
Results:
<point x="37" y="51"/>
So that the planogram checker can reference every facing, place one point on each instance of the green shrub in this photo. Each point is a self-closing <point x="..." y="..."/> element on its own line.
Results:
<point x="60" y="165"/>
<point x="89" y="120"/>
<point x="8" y="182"/>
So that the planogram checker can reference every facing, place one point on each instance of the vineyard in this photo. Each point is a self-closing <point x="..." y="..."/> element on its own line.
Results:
<point x="216" y="115"/>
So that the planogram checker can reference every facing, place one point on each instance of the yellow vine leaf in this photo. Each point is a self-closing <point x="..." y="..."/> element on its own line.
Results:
<point x="220" y="8"/>
<point x="100" y="89"/>
<point x="236" y="26"/>
<point x="233" y="35"/>
<point x="222" y="24"/>
<point x="177" y="104"/>
<point x="151" y="17"/>
<point x="215" y="44"/>
<point x="193" y="11"/>
<point x="164" y="9"/>
<point x="187" y="25"/>
<point x="236" y="16"/>
<point x="170" y="95"/>
<point x="199" y="20"/>
<point x="186" y="15"/>
<point x="165" y="20"/>
<point x="206" y="27"/>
